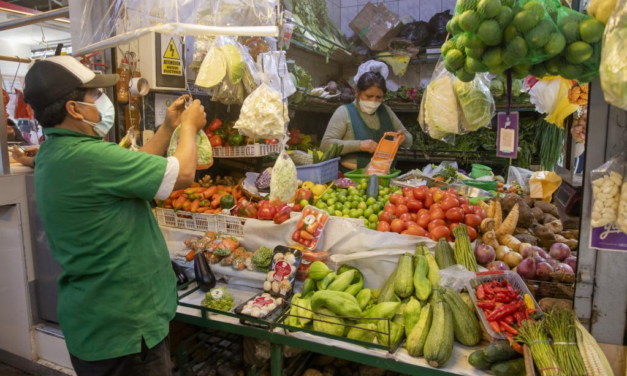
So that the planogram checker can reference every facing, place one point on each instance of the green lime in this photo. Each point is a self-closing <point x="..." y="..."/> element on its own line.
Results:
<point x="354" y="204"/>
<point x="321" y="205"/>
<point x="345" y="211"/>
<point x="343" y="199"/>
<point x="591" y="30"/>
<point x="331" y="208"/>
<point x="372" y="218"/>
<point x="368" y="212"/>
<point x="353" y="213"/>
<point x="303" y="203"/>
<point x="362" y="205"/>
<point x="338" y="213"/>
<point x="371" y="201"/>
<point x="325" y="197"/>
<point x="362" y="192"/>
<point x="363" y="181"/>
<point x="331" y="201"/>
<point x="377" y="207"/>
<point x="360" y="211"/>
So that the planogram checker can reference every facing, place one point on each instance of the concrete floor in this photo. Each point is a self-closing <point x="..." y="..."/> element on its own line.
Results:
<point x="6" y="370"/>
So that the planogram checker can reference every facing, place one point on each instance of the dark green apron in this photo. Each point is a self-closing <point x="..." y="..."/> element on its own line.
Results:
<point x="362" y="132"/>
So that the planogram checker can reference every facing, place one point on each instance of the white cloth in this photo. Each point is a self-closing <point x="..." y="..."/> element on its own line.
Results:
<point x="372" y="66"/>
<point x="169" y="179"/>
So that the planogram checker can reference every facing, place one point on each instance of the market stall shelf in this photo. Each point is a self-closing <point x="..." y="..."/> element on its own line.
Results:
<point x="224" y="224"/>
<point x="247" y="151"/>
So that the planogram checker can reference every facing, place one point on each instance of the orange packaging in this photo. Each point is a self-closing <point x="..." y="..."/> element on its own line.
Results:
<point x="384" y="155"/>
<point x="309" y="229"/>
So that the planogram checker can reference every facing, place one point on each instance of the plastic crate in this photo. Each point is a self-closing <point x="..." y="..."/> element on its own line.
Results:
<point x="319" y="173"/>
<point x="178" y="219"/>
<point x="384" y="180"/>
<point x="224" y="224"/>
<point x="512" y="277"/>
<point x="230" y="225"/>
<point x="246" y="151"/>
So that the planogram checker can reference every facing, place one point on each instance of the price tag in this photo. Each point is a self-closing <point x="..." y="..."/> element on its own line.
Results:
<point x="507" y="136"/>
<point x="282" y="270"/>
<point x="217" y="294"/>
<point x="262" y="302"/>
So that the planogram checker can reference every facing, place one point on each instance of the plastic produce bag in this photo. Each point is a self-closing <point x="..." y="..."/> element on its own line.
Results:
<point x="476" y="102"/>
<point x="520" y="176"/>
<point x="284" y="181"/>
<point x="550" y="95"/>
<point x="456" y="277"/>
<point x="543" y="184"/>
<point x="203" y="147"/>
<point x="416" y="32"/>
<point x="613" y="62"/>
<point x="581" y="57"/>
<point x="263" y="114"/>
<point x="437" y="28"/>
<point x="606" y="187"/>
<point x="439" y="115"/>
<point x="272" y="67"/>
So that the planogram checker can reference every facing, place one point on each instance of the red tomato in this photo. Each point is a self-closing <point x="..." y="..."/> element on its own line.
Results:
<point x="404" y="216"/>
<point x="472" y="233"/>
<point x="452" y="226"/>
<point x="389" y="208"/>
<point x="401" y="201"/>
<point x="422" y="211"/>
<point x="435" y="207"/>
<point x="386" y="216"/>
<point x="413" y="216"/>
<point x="480" y="212"/>
<point x="463" y="200"/>
<point x="455" y="215"/>
<point x="468" y="209"/>
<point x="452" y="191"/>
<point x="428" y="201"/>
<point x="420" y="192"/>
<point x="398" y="226"/>
<point x="436" y="223"/>
<point x="408" y="192"/>
<point x="414" y="205"/>
<point x="401" y="209"/>
<point x="449" y="202"/>
<point x="472" y="220"/>
<point x="434" y="189"/>
<point x="439" y="232"/>
<point x="450" y="239"/>
<point x="438" y="214"/>
<point x="410" y="223"/>
<point x="395" y="197"/>
<point x="438" y="196"/>
<point x="423" y="220"/>
<point x="415" y="230"/>
<point x="383" y="226"/>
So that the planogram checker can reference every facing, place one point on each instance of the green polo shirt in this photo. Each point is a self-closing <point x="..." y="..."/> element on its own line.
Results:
<point x="117" y="284"/>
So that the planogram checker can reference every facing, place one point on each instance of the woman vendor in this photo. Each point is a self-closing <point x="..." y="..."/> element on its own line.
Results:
<point x="359" y="125"/>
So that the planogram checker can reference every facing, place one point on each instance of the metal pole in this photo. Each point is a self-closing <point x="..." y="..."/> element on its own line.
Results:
<point x="276" y="359"/>
<point x="36" y="18"/>
<point x="5" y="165"/>
<point x="15" y="59"/>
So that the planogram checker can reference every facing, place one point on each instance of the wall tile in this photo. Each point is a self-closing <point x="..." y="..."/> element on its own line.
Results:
<point x="349" y="3"/>
<point x="336" y="17"/>
<point x="449" y="4"/>
<point x="392" y="6"/>
<point x="348" y="14"/>
<point x="409" y="7"/>
<point x="428" y="8"/>
<point x="364" y="2"/>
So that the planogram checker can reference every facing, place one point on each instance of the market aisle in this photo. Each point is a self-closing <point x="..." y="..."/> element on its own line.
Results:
<point x="6" y="370"/>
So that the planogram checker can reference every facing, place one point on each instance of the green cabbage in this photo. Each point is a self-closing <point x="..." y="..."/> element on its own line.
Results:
<point x="440" y="116"/>
<point x="284" y="180"/>
<point x="476" y="103"/>
<point x="212" y="70"/>
<point x="497" y="88"/>
<point x="234" y="63"/>
<point x="203" y="146"/>
<point x="613" y="63"/>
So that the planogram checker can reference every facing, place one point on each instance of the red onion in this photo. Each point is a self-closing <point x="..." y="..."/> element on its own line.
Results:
<point x="572" y="262"/>
<point x="484" y="254"/>
<point x="553" y="262"/>
<point x="560" y="251"/>
<point x="542" y="253"/>
<point x="527" y="268"/>
<point x="531" y="251"/>
<point x="497" y="266"/>
<point x="563" y="268"/>
<point x="543" y="271"/>
<point x="538" y="259"/>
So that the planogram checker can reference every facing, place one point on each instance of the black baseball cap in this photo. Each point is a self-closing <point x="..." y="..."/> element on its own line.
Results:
<point x="55" y="77"/>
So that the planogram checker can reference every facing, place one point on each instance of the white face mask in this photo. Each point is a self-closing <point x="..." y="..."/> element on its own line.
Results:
<point x="107" y="115"/>
<point x="369" y="107"/>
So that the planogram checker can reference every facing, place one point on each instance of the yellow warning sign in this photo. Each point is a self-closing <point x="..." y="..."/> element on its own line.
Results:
<point x="171" y="62"/>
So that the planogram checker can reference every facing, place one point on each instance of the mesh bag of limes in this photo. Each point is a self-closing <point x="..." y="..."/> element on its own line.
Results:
<point x="537" y="37"/>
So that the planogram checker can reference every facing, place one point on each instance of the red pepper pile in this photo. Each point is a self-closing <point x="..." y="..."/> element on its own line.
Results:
<point x="503" y="306"/>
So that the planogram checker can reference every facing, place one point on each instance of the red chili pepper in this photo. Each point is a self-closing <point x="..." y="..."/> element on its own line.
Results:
<point x="504" y="283"/>
<point x="502" y="298"/>
<point x="505" y="326"/>
<point x="499" y="290"/>
<point x="480" y="293"/>
<point x="509" y="319"/>
<point x="527" y="317"/>
<point x="489" y="296"/>
<point x="503" y="311"/>
<point x="512" y="296"/>
<point x="488" y="289"/>
<point x="519" y="317"/>
<point x="486" y="304"/>
<point x="495" y="326"/>
<point x="510" y="289"/>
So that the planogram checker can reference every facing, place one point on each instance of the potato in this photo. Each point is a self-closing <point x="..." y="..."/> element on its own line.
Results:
<point x="509" y="201"/>
<point x="544" y="233"/>
<point x="525" y="216"/>
<point x="527" y="239"/>
<point x="537" y="213"/>
<point x="521" y="231"/>
<point x="534" y="227"/>
<point x="571" y="243"/>
<point x="555" y="226"/>
<point x="547" y="208"/>
<point x="547" y="218"/>
<point x="529" y="201"/>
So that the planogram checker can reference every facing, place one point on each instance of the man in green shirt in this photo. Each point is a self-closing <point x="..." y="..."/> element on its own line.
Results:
<point x="117" y="291"/>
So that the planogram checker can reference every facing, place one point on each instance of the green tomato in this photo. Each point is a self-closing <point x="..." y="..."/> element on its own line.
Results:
<point x="354" y="213"/>
<point x="377" y="207"/>
<point x="345" y="211"/>
<point x="331" y="201"/>
<point x="343" y="199"/>
<point x="371" y="201"/>
<point x="372" y="217"/>
<point x="331" y="208"/>
<point x="368" y="212"/>
<point x="373" y="226"/>
<point x="325" y="197"/>
<point x="321" y="205"/>
<point x="385" y="191"/>
<point x="362" y="192"/>
<point x="387" y="198"/>
<point x="354" y="204"/>
<point x="338" y="213"/>
<point x="363" y="181"/>
<point x="362" y="186"/>
<point x="360" y="211"/>
<point x="303" y="203"/>
<point x="366" y="223"/>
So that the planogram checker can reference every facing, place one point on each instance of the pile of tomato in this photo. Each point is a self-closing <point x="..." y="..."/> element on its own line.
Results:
<point x="431" y="212"/>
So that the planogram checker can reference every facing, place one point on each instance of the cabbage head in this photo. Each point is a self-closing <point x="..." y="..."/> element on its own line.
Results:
<point x="476" y="103"/>
<point x="441" y="114"/>
<point x="203" y="146"/>
<point x="497" y="88"/>
<point x="234" y="63"/>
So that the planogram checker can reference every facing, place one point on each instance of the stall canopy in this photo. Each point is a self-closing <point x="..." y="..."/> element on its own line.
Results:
<point x="101" y="24"/>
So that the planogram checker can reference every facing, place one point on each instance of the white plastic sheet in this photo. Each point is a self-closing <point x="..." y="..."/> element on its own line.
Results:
<point x="100" y="24"/>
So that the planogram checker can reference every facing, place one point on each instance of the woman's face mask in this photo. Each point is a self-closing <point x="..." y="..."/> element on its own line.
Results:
<point x="369" y="107"/>
<point x="107" y="115"/>
<point x="370" y="100"/>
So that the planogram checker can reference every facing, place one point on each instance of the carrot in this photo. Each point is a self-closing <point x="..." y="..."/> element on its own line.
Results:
<point x="208" y="193"/>
<point x="186" y="205"/>
<point x="194" y="206"/>
<point x="195" y="184"/>
<point x="509" y="224"/>
<point x="305" y="235"/>
<point x="205" y="203"/>
<point x="190" y="255"/>
<point x="203" y="209"/>
<point x="189" y="191"/>
<point x="495" y="326"/>
<point x="215" y="211"/>
<point x="168" y="206"/>
<point x="216" y="200"/>
<point x="236" y="193"/>
<point x="168" y="201"/>
<point x="176" y="194"/>
<point x="179" y="202"/>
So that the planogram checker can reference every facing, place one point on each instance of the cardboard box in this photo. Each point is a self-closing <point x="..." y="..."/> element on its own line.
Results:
<point x="376" y="25"/>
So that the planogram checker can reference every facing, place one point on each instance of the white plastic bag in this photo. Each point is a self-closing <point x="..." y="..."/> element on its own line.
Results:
<point x="613" y="68"/>
<point x="263" y="115"/>
<point x="272" y="67"/>
<point x="606" y="186"/>
<point x="519" y="175"/>
<point x="456" y="277"/>
<point x="284" y="181"/>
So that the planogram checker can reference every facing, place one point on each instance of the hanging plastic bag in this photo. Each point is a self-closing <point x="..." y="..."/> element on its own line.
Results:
<point x="128" y="141"/>
<point x="519" y="176"/>
<point x="562" y="107"/>
<point x="284" y="181"/>
<point x="606" y="187"/>
<point x="543" y="184"/>
<point x="550" y="96"/>
<point x="228" y="93"/>
<point x="439" y="115"/>
<point x="203" y="148"/>
<point x="264" y="115"/>
<point x="456" y="277"/>
<point x="613" y="62"/>
<point x="272" y="67"/>
<point x="476" y="102"/>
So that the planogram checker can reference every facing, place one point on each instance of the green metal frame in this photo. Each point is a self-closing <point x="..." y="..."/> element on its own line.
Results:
<point x="279" y="340"/>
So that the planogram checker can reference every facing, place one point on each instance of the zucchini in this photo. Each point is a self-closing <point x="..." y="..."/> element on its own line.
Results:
<point x="439" y="345"/>
<point x="363" y="298"/>
<point x="316" y="158"/>
<point x="403" y="281"/>
<point x="387" y="290"/>
<point x="355" y="288"/>
<point x="412" y="315"/>
<point x="434" y="271"/>
<point x="418" y="336"/>
<point x="338" y="302"/>
<point x="325" y="156"/>
<point x="308" y="286"/>
<point x="421" y="283"/>
<point x="465" y="324"/>
<point x="514" y="367"/>
<point x="385" y="310"/>
<point x="477" y="360"/>
<point x="499" y="351"/>
<point x="342" y="281"/>
<point x="326" y="281"/>
<point x="444" y="254"/>
<point x="339" y="150"/>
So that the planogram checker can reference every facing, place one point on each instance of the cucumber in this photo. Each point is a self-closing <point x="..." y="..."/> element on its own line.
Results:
<point x="499" y="351"/>
<point x="477" y="360"/>
<point x="439" y="345"/>
<point x="325" y="156"/>
<point x="339" y="150"/>
<point x="316" y="159"/>
<point x="514" y="367"/>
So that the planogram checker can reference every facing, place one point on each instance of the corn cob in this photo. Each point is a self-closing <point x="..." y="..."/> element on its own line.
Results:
<point x="593" y="358"/>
